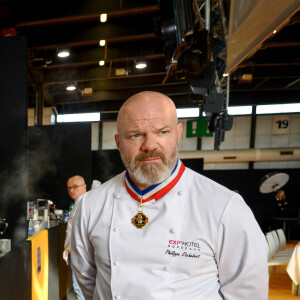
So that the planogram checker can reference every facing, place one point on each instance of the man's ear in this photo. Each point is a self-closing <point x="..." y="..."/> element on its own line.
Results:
<point x="117" y="140"/>
<point x="179" y="131"/>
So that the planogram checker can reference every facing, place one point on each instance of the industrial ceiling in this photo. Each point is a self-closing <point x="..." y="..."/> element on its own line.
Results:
<point x="134" y="31"/>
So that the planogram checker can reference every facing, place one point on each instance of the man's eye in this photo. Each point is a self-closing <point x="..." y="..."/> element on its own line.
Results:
<point x="136" y="135"/>
<point x="164" y="132"/>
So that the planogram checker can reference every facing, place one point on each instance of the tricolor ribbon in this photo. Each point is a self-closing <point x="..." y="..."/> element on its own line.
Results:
<point x="155" y="191"/>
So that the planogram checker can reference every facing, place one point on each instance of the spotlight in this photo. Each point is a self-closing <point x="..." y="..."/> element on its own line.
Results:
<point x="141" y="65"/>
<point x="102" y="43"/>
<point x="63" y="52"/>
<point x="71" y="87"/>
<point x="103" y="18"/>
<point x="101" y="62"/>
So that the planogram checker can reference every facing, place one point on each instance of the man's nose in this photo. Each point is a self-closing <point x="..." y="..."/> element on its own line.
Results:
<point x="149" y="143"/>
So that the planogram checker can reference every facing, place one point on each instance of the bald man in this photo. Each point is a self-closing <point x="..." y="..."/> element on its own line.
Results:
<point x="160" y="231"/>
<point x="76" y="188"/>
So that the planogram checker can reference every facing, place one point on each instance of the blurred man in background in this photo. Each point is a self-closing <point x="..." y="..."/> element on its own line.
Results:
<point x="76" y="188"/>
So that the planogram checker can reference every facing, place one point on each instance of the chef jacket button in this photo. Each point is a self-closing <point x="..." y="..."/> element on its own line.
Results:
<point x="172" y="230"/>
<point x="166" y="269"/>
<point x="116" y="229"/>
<point x="116" y="263"/>
<point x="117" y="297"/>
<point x="180" y="193"/>
<point x="117" y="195"/>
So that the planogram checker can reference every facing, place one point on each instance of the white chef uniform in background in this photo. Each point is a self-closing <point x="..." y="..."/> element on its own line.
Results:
<point x="201" y="243"/>
<point x="67" y="244"/>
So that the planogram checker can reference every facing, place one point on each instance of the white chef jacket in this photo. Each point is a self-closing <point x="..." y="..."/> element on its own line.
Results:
<point x="67" y="244"/>
<point x="202" y="242"/>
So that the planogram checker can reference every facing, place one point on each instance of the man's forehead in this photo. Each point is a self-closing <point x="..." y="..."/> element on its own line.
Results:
<point x="145" y="109"/>
<point x="146" y="115"/>
<point x="153" y="120"/>
<point x="73" y="181"/>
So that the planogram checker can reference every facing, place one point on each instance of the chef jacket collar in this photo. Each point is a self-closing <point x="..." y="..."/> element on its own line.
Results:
<point x="155" y="191"/>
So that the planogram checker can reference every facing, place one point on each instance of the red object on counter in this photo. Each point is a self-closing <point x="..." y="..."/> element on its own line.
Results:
<point x="9" y="32"/>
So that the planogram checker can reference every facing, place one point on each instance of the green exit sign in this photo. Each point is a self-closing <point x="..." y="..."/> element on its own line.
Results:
<point x="197" y="127"/>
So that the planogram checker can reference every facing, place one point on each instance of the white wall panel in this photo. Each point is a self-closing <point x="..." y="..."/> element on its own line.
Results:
<point x="280" y="140"/>
<point x="261" y="165"/>
<point x="224" y="166"/>
<point x="108" y="132"/>
<point x="242" y="142"/>
<point x="95" y="136"/>
<point x="240" y="166"/>
<point x="186" y="144"/>
<point x="293" y="164"/>
<point x="295" y="124"/>
<point x="277" y="165"/>
<point x="294" y="140"/>
<point x="262" y="141"/>
<point x="265" y="139"/>
<point x="243" y="125"/>
<point x="264" y="125"/>
<point x="239" y="136"/>
<point x="228" y="143"/>
<point x="209" y="166"/>
<point x="208" y="143"/>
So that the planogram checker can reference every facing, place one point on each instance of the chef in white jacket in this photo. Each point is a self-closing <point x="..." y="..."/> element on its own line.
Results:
<point x="76" y="188"/>
<point x="160" y="231"/>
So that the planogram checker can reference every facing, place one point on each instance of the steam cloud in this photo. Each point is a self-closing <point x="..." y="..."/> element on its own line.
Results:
<point x="39" y="161"/>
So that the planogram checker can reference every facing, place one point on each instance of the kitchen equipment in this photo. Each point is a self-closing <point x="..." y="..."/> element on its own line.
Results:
<point x="3" y="226"/>
<point x="5" y="245"/>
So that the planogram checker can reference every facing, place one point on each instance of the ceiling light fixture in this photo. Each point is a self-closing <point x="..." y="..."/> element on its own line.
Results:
<point x="71" y="87"/>
<point x="103" y="18"/>
<point x="102" y="43"/>
<point x="63" y="52"/>
<point x="101" y="62"/>
<point x="141" y="65"/>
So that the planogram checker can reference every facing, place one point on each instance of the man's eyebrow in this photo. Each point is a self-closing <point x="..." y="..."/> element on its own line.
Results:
<point x="134" y="130"/>
<point x="165" y="127"/>
<point x="137" y="130"/>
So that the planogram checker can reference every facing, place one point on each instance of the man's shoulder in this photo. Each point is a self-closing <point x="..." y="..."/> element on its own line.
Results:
<point x="215" y="195"/>
<point x="105" y="188"/>
<point x="196" y="181"/>
<point x="195" y="177"/>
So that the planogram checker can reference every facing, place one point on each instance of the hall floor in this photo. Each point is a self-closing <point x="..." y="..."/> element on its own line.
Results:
<point x="280" y="282"/>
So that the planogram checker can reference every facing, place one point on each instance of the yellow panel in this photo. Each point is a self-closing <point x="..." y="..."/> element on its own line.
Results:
<point x="39" y="265"/>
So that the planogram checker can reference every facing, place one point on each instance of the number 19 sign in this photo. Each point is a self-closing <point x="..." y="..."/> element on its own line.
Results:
<point x="281" y="124"/>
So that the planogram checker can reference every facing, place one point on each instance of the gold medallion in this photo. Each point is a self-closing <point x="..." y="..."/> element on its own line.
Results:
<point x="140" y="220"/>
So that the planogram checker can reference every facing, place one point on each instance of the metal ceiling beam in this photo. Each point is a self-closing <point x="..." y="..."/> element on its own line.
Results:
<point x="268" y="65"/>
<point x="90" y="17"/>
<point x="96" y="63"/>
<point x="279" y="45"/>
<point x="121" y="39"/>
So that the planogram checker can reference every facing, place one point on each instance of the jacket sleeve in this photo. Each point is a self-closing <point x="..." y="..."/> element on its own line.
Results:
<point x="82" y="250"/>
<point x="241" y="254"/>
<point x="67" y="244"/>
